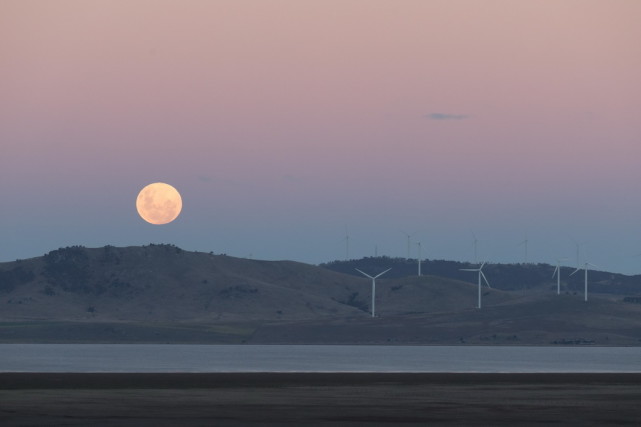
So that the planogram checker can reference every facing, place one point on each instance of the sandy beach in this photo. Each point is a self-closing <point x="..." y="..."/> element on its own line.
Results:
<point x="318" y="399"/>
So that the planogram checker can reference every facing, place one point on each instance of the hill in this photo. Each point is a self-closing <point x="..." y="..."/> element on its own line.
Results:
<point x="161" y="293"/>
<point x="165" y="283"/>
<point x="509" y="277"/>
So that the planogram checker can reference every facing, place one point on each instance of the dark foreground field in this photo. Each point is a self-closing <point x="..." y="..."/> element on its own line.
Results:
<point x="237" y="399"/>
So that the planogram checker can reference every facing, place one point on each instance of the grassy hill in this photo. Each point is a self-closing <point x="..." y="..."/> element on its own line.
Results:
<point x="165" y="283"/>
<point x="161" y="293"/>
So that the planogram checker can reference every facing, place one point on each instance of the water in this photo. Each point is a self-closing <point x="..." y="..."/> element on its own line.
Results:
<point x="313" y="358"/>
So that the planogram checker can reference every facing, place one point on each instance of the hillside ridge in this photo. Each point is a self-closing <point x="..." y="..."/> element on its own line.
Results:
<point x="162" y="293"/>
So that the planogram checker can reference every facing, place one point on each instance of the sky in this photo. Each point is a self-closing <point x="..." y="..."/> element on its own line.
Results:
<point x="287" y="125"/>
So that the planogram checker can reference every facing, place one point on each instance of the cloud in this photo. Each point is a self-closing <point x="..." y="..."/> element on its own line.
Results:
<point x="444" y="116"/>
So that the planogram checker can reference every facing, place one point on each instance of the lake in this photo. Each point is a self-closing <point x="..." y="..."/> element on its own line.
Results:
<point x="313" y="358"/>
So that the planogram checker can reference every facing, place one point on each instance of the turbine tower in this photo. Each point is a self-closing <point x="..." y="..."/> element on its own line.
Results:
<point x="373" y="287"/>
<point x="480" y="271"/>
<point x="346" y="245"/>
<point x="419" y="258"/>
<point x="557" y="272"/>
<point x="585" y="291"/>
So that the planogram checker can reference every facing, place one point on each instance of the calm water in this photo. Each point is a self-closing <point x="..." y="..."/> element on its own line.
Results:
<point x="312" y="358"/>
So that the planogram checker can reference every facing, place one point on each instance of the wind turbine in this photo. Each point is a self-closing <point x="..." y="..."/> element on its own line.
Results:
<point x="585" y="297"/>
<point x="346" y="245"/>
<point x="480" y="271"/>
<point x="474" y="244"/>
<point x="524" y="243"/>
<point x="373" y="287"/>
<point x="557" y="272"/>
<point x="419" y="258"/>
<point x="409" y="238"/>
<point x="578" y="250"/>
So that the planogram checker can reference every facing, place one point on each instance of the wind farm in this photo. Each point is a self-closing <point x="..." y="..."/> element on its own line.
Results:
<point x="129" y="293"/>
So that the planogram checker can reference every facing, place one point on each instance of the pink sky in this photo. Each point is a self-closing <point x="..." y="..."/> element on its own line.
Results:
<point x="281" y="122"/>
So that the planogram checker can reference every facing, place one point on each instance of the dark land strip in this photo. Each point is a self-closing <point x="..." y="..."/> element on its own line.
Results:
<point x="318" y="399"/>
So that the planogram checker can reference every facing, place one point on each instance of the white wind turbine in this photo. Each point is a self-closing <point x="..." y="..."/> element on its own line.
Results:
<point x="557" y="272"/>
<point x="524" y="244"/>
<point x="585" y="292"/>
<point x="480" y="271"/>
<point x="419" y="258"/>
<point x="578" y="252"/>
<point x="346" y="244"/>
<point x="474" y="244"/>
<point x="409" y="238"/>
<point x="373" y="287"/>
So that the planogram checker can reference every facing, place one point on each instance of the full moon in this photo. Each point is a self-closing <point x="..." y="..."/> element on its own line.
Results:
<point x="159" y="203"/>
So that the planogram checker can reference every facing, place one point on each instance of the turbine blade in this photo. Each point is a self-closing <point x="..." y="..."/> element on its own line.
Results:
<point x="380" y="274"/>
<point x="481" y="267"/>
<point x="555" y="271"/>
<point x="469" y="269"/>
<point x="485" y="278"/>
<point x="575" y="271"/>
<point x="364" y="274"/>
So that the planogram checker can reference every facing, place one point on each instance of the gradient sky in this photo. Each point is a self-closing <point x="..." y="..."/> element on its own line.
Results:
<point x="284" y="122"/>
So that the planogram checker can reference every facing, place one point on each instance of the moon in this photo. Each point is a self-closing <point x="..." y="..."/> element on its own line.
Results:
<point x="159" y="203"/>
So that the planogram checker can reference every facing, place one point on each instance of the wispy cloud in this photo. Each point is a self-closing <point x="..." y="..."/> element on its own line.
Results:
<point x="445" y="116"/>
